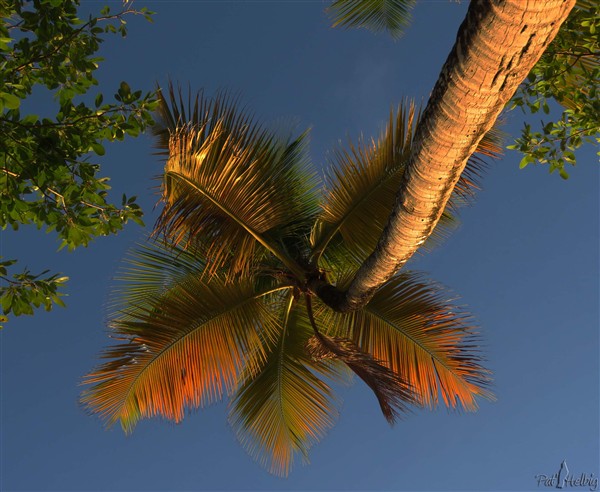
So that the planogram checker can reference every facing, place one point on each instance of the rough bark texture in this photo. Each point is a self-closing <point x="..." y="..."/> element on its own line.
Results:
<point x="497" y="45"/>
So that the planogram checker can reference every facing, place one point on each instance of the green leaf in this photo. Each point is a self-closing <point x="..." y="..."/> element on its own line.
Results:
<point x="124" y="89"/>
<point x="4" y="43"/>
<point x="6" y="300"/>
<point x="58" y="301"/>
<point x="546" y="108"/>
<point x="98" y="148"/>
<point x="525" y="161"/>
<point x="10" y="100"/>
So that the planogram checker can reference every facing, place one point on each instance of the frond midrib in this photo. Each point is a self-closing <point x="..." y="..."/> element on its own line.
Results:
<point x="277" y="252"/>
<point x="280" y="364"/>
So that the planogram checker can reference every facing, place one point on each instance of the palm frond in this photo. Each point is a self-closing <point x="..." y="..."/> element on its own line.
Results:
<point x="149" y="271"/>
<point x="391" y="390"/>
<point x="361" y="184"/>
<point x="184" y="343"/>
<point x="287" y="407"/>
<point x="230" y="183"/>
<point x="392" y="16"/>
<point x="412" y="328"/>
<point x="489" y="147"/>
<point x="363" y="181"/>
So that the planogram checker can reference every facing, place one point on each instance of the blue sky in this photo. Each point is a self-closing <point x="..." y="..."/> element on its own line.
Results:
<point x="525" y="261"/>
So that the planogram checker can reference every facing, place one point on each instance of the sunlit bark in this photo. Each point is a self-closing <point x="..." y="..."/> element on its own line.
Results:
<point x="497" y="45"/>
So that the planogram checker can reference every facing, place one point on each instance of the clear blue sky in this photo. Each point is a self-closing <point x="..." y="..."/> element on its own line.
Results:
<point x="525" y="261"/>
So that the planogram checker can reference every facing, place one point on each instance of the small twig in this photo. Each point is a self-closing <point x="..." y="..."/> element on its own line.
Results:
<point x="10" y="173"/>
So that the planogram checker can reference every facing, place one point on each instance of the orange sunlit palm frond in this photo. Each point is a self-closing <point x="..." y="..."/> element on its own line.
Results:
<point x="490" y="146"/>
<point x="412" y="327"/>
<point x="361" y="184"/>
<point x="181" y="349"/>
<point x="149" y="271"/>
<point x="231" y="184"/>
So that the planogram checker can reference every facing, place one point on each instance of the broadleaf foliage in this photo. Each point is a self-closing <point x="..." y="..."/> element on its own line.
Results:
<point x="47" y="178"/>
<point x="563" y="88"/>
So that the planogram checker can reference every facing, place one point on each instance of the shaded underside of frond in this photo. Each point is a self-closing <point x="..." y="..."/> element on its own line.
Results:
<point x="182" y="349"/>
<point x="231" y="184"/>
<point x="392" y="16"/>
<point x="412" y="326"/>
<point x="362" y="185"/>
<point x="288" y="406"/>
<point x="391" y="390"/>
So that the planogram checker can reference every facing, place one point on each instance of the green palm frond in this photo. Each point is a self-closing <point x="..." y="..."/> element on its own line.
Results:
<point x="287" y="407"/>
<point x="392" y="16"/>
<point x="184" y="343"/>
<point x="150" y="270"/>
<point x="363" y="182"/>
<point x="430" y="342"/>
<point x="231" y="184"/>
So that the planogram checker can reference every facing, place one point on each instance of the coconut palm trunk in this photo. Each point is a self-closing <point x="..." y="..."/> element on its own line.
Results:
<point x="497" y="45"/>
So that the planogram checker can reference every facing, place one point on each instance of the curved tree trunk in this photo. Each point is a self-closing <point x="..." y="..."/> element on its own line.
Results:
<point x="497" y="45"/>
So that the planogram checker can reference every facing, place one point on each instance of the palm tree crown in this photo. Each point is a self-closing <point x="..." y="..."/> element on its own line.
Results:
<point x="219" y="302"/>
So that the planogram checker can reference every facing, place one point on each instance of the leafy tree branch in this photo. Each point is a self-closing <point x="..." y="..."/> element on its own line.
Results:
<point x="47" y="178"/>
<point x="567" y="74"/>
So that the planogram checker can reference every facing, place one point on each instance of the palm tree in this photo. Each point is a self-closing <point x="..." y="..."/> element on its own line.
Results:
<point x="497" y="45"/>
<point x="250" y="291"/>
<point x="219" y="303"/>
